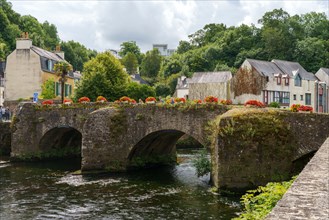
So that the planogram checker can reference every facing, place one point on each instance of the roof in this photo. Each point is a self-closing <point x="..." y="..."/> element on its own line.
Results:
<point x="325" y="70"/>
<point x="291" y="68"/>
<point x="265" y="68"/>
<point x="138" y="78"/>
<point x="46" y="54"/>
<point x="211" y="77"/>
<point x="182" y="82"/>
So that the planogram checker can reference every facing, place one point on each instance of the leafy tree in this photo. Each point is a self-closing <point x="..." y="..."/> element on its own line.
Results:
<point x="130" y="62"/>
<point x="76" y="54"/>
<point x="62" y="68"/>
<point x="130" y="46"/>
<point x="151" y="63"/>
<point x="48" y="89"/>
<point x="183" y="47"/>
<point x="103" y="75"/>
<point x="51" y="39"/>
<point x="162" y="90"/>
<point x="31" y="25"/>
<point x="139" y="91"/>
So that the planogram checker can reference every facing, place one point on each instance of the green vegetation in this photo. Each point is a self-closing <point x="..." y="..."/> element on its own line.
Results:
<point x="259" y="202"/>
<point x="57" y="153"/>
<point x="48" y="89"/>
<point x="274" y="105"/>
<point x="202" y="163"/>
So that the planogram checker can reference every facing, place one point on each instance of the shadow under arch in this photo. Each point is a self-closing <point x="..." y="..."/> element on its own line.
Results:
<point x="299" y="163"/>
<point x="61" y="142"/>
<point x="156" y="148"/>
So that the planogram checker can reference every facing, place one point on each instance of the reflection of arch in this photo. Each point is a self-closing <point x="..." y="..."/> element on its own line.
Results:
<point x="60" y="138"/>
<point x="158" y="144"/>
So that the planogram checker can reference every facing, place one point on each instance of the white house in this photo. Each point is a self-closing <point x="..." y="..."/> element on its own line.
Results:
<point x="182" y="88"/>
<point x="163" y="49"/>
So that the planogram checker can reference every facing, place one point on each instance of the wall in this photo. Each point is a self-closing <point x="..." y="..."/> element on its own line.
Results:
<point x="202" y="90"/>
<point x="23" y="74"/>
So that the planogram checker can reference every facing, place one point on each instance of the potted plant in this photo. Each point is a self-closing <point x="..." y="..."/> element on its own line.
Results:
<point x="84" y="100"/>
<point x="101" y="99"/>
<point x="150" y="100"/>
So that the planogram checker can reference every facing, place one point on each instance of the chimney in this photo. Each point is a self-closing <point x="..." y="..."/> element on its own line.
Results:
<point x="59" y="52"/>
<point x="24" y="42"/>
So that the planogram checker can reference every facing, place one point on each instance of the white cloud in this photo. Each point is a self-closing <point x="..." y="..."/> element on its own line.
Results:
<point x="106" y="24"/>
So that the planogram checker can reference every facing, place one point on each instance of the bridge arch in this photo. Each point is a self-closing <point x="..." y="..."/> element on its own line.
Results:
<point x="61" y="141"/>
<point x="157" y="147"/>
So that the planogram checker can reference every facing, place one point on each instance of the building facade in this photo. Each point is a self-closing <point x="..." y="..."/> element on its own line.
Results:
<point x="28" y="67"/>
<point x="322" y="89"/>
<point x="163" y="49"/>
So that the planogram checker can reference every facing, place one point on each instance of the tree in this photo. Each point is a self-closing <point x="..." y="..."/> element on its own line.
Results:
<point x="48" y="89"/>
<point x="139" y="91"/>
<point x="162" y="90"/>
<point x="51" y="39"/>
<point x="103" y="75"/>
<point x="130" y="62"/>
<point x="130" y="46"/>
<point x="31" y="25"/>
<point x="151" y="63"/>
<point x="183" y="47"/>
<point x="62" y="68"/>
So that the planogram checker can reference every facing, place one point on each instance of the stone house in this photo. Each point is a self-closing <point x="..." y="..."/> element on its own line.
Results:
<point x="279" y="81"/>
<point x="204" y="84"/>
<point x="2" y="81"/>
<point x="28" y="67"/>
<point x="322" y="90"/>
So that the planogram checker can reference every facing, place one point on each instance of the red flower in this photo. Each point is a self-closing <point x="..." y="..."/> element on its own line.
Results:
<point x="180" y="100"/>
<point x="48" y="102"/>
<point x="211" y="99"/>
<point x="133" y="101"/>
<point x="124" y="99"/>
<point x="150" y="99"/>
<point x="305" y="108"/>
<point x="226" y="102"/>
<point x="84" y="99"/>
<point x="255" y="103"/>
<point x="197" y="101"/>
<point x="101" y="99"/>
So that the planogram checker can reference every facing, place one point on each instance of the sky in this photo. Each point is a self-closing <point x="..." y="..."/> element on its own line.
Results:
<point x="105" y="24"/>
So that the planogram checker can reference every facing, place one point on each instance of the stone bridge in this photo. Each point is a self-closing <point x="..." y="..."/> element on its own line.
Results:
<point x="248" y="147"/>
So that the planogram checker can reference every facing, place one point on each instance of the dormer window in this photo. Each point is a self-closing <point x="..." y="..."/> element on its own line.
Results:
<point x="298" y="80"/>
<point x="50" y="65"/>
<point x="278" y="80"/>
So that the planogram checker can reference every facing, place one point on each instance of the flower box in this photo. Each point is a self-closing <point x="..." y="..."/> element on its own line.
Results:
<point x="211" y="99"/>
<point x="101" y="99"/>
<point x="84" y="100"/>
<point x="124" y="99"/>
<point x="150" y="99"/>
<point x="150" y="102"/>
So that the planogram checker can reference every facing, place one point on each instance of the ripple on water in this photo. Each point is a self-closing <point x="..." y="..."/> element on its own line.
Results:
<point x="79" y="180"/>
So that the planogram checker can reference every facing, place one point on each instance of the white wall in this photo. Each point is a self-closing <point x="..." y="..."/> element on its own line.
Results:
<point x="23" y="74"/>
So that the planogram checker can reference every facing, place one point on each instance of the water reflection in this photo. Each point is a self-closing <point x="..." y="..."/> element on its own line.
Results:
<point x="51" y="191"/>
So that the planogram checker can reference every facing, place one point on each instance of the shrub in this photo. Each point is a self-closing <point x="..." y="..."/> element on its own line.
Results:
<point x="274" y="105"/>
<point x="84" y="99"/>
<point x="202" y="163"/>
<point x="259" y="202"/>
<point x="211" y="99"/>
<point x="101" y="99"/>
<point x="254" y="103"/>
<point x="150" y="99"/>
<point x="48" y="102"/>
<point x="226" y="102"/>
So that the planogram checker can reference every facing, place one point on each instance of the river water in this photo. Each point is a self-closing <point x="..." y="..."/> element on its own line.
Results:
<point x="49" y="190"/>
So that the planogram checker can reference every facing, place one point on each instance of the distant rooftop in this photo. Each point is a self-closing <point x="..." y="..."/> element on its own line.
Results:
<point x="211" y="77"/>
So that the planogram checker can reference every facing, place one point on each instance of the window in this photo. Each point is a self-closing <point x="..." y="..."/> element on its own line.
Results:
<point x="301" y="98"/>
<point x="50" y="65"/>
<point x="57" y="89"/>
<point x="295" y="97"/>
<point x="307" y="98"/>
<point x="286" y="80"/>
<point x="68" y="90"/>
<point x="276" y="96"/>
<point x="320" y="100"/>
<point x="267" y="78"/>
<point x="298" y="80"/>
<point x="278" y="80"/>
<point x="308" y="85"/>
<point x="285" y="97"/>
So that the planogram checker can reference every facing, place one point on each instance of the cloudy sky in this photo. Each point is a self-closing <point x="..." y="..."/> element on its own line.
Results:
<point x="105" y="24"/>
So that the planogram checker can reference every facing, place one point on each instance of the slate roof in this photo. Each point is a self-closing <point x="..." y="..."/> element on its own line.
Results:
<point x="211" y="77"/>
<point x="265" y="68"/>
<point x="46" y="54"/>
<point x="290" y="68"/>
<point x="182" y="83"/>
<point x="325" y="70"/>
<point x="138" y="78"/>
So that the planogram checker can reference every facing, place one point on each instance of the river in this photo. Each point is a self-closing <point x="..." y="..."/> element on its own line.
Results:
<point x="49" y="190"/>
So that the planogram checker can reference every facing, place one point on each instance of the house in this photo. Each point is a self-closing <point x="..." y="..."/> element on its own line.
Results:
<point x="278" y="81"/>
<point x="28" y="67"/>
<point x="2" y="81"/>
<point x="163" y="49"/>
<point x="182" y="87"/>
<point x="322" y="90"/>
<point x="204" y="84"/>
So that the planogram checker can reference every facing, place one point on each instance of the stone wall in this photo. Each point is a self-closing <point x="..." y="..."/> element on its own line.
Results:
<point x="308" y="196"/>
<point x="256" y="146"/>
<point x="5" y="138"/>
